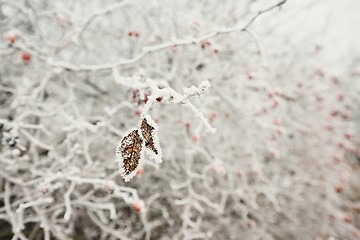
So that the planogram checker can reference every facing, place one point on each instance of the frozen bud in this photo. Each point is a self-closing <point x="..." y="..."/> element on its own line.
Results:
<point x="16" y="152"/>
<point x="138" y="206"/>
<point x="205" y="44"/>
<point x="187" y="125"/>
<point x="11" y="142"/>
<point x="204" y="85"/>
<point x="162" y="85"/>
<point x="109" y="186"/>
<point x="44" y="188"/>
<point x="191" y="91"/>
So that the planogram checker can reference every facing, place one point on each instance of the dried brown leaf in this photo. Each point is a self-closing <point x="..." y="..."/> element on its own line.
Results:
<point x="147" y="131"/>
<point x="130" y="153"/>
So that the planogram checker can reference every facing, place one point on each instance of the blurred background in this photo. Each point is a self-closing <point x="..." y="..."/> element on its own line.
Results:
<point x="284" y="162"/>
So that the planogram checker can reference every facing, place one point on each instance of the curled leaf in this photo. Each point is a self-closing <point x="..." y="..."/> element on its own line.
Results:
<point x="148" y="130"/>
<point x="129" y="153"/>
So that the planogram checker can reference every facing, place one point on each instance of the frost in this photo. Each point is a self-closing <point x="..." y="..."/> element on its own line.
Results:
<point x="197" y="90"/>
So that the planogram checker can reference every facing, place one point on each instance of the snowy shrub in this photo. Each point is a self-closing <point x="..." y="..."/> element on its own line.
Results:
<point x="172" y="120"/>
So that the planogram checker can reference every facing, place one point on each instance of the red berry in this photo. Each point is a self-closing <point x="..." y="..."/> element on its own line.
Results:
<point x="334" y="113"/>
<point x="356" y="233"/>
<point x="341" y="97"/>
<point x="250" y="223"/>
<point x="138" y="205"/>
<point x="347" y="218"/>
<point x="341" y="145"/>
<point x="347" y="135"/>
<point x="146" y="98"/>
<point x="270" y="93"/>
<point x="138" y="112"/>
<point x="275" y="103"/>
<point x="213" y="116"/>
<point x="339" y="188"/>
<point x="140" y="171"/>
<point x="250" y="75"/>
<point x="280" y="131"/>
<point x="274" y="153"/>
<point x="11" y="39"/>
<point x="332" y="217"/>
<point x="26" y="57"/>
<point x="196" y="138"/>
<point x="337" y="158"/>
<point x="329" y="127"/>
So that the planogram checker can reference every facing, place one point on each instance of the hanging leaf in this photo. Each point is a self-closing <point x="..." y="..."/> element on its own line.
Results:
<point x="148" y="130"/>
<point x="129" y="153"/>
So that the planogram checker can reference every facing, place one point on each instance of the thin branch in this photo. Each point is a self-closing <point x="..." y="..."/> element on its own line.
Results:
<point x="148" y="50"/>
